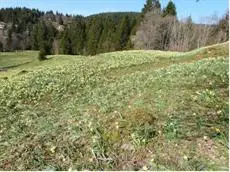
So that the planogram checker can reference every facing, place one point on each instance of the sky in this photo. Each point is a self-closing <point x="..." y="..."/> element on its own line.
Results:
<point x="198" y="10"/>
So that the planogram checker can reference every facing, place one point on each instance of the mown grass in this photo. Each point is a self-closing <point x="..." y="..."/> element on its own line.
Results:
<point x="131" y="110"/>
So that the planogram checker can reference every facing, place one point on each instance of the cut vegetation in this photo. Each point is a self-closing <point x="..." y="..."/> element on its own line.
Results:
<point x="128" y="110"/>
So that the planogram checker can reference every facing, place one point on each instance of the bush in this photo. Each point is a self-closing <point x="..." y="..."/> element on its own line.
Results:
<point x="42" y="56"/>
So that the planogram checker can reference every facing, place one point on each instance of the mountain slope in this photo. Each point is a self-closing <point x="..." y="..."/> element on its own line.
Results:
<point x="125" y="110"/>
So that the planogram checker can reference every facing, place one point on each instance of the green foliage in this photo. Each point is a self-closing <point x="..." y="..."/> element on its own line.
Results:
<point x="82" y="35"/>
<point x="148" y="6"/>
<point x="172" y="129"/>
<point x="73" y="39"/>
<point x="33" y="29"/>
<point x="43" y="35"/>
<point x="66" y="45"/>
<point x="98" y="33"/>
<point x="95" y="27"/>
<point x="170" y="9"/>
<point x="124" y="32"/>
<point x="22" y="17"/>
<point x="42" y="55"/>
<point x="151" y="6"/>
<point x="109" y="32"/>
<point x="60" y="20"/>
<point x="143" y="135"/>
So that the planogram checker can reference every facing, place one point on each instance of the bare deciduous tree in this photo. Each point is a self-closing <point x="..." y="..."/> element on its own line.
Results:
<point x="167" y="33"/>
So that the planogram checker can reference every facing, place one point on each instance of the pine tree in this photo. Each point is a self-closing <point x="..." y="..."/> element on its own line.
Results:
<point x="77" y="35"/>
<point x="107" y="35"/>
<point x="66" y="45"/>
<point x="148" y="6"/>
<point x="95" y="28"/>
<point x="151" y="6"/>
<point x="42" y="55"/>
<point x="43" y="36"/>
<point x="60" y="20"/>
<point x="156" y="7"/>
<point x="33" y="38"/>
<point x="170" y="9"/>
<point x="33" y="29"/>
<point x="123" y="33"/>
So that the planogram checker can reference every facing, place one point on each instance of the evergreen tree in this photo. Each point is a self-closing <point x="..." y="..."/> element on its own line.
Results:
<point x="77" y="35"/>
<point x="42" y="55"/>
<point x="123" y="33"/>
<point x="95" y="28"/>
<point x="148" y="6"/>
<point x="82" y="35"/>
<point x="156" y="7"/>
<point x="170" y="9"/>
<point x="60" y="20"/>
<point x="34" y="40"/>
<point x="66" y="45"/>
<point x="151" y="6"/>
<point x="43" y="36"/>
<point x="107" y="35"/>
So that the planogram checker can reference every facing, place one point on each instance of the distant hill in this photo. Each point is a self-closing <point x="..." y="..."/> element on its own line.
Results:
<point x="154" y="28"/>
<point x="21" y="24"/>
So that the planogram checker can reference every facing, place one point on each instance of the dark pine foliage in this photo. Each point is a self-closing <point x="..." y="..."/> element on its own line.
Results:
<point x="80" y="35"/>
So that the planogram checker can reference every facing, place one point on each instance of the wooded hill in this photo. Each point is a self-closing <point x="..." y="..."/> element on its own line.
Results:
<point x="154" y="28"/>
<point x="25" y="29"/>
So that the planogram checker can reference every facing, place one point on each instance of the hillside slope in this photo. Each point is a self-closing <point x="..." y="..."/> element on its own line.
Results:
<point x="130" y="110"/>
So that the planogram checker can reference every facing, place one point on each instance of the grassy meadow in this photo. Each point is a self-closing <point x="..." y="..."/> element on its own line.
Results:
<point x="127" y="110"/>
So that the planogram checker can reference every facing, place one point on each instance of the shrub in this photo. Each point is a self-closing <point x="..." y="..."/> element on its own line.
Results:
<point x="42" y="56"/>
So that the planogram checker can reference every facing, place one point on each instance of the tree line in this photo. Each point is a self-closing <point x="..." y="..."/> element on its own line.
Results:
<point x="160" y="29"/>
<point x="154" y="28"/>
<point x="56" y="33"/>
<point x="97" y="34"/>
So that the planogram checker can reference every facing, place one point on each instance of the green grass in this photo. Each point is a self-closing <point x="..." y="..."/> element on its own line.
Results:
<point x="129" y="110"/>
<point x="14" y="59"/>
